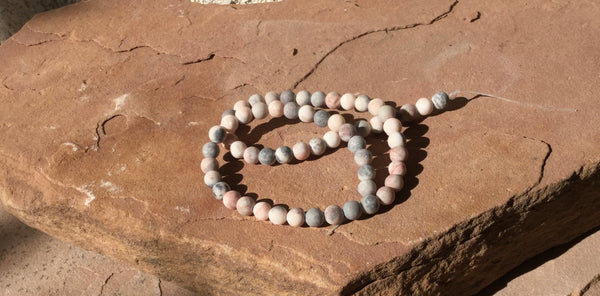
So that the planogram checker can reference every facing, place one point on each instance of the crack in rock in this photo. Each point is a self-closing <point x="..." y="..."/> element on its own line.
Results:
<point x="105" y="282"/>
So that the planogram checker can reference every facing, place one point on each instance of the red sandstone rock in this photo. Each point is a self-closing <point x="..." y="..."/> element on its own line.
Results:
<point x="106" y="104"/>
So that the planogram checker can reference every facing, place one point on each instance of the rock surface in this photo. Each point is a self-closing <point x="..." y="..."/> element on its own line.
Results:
<point x="107" y="104"/>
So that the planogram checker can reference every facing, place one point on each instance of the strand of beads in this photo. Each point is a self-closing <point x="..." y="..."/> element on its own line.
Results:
<point x="302" y="106"/>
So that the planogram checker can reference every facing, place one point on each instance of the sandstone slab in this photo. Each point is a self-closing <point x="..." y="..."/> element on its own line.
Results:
<point x="105" y="105"/>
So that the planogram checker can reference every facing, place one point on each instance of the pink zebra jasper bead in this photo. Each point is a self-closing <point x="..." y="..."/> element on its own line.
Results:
<point x="395" y="182"/>
<point x="408" y="113"/>
<point x="347" y="131"/>
<point x="386" y="195"/>
<point x="230" y="199"/>
<point x="332" y="100"/>
<point x="209" y="164"/>
<point x="276" y="109"/>
<point x="397" y="168"/>
<point x="245" y="205"/>
<point x="301" y="151"/>
<point x="251" y="155"/>
<point x="398" y="153"/>
<point x="334" y="215"/>
<point x="261" y="210"/>
<point x="295" y="217"/>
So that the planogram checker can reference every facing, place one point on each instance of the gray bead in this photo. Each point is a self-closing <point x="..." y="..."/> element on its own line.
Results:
<point x="210" y="150"/>
<point x="334" y="215"/>
<point x="366" y="172"/>
<point x="255" y="98"/>
<point x="363" y="128"/>
<point x="356" y="143"/>
<point x="321" y="117"/>
<point x="314" y="217"/>
<point x="370" y="204"/>
<point x="317" y="146"/>
<point x="440" y="100"/>
<point x="317" y="99"/>
<point x="283" y="154"/>
<point x="228" y="112"/>
<point x="352" y="210"/>
<point x="219" y="189"/>
<point x="287" y="96"/>
<point x="303" y="98"/>
<point x="362" y="157"/>
<point x="217" y="134"/>
<point x="266" y="156"/>
<point x="290" y="110"/>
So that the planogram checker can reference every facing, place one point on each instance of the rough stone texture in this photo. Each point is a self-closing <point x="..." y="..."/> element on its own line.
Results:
<point x="591" y="289"/>
<point x="107" y="103"/>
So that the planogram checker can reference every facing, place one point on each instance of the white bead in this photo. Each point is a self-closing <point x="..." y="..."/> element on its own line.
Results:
<point x="392" y="125"/>
<point x="276" y="109"/>
<point x="332" y="139"/>
<point x="239" y="104"/>
<point x="303" y="98"/>
<point x="306" y="113"/>
<point x="230" y="123"/>
<point x="261" y="210"/>
<point x="211" y="178"/>
<point x="361" y="104"/>
<point x="295" y="217"/>
<point x="271" y="96"/>
<point x="335" y="121"/>
<point x="244" y="114"/>
<point x="347" y="101"/>
<point x="376" y="124"/>
<point x="255" y="98"/>
<point x="396" y="139"/>
<point x="424" y="106"/>
<point x="386" y="112"/>
<point x="259" y="110"/>
<point x="237" y="149"/>
<point x="374" y="105"/>
<point x="278" y="215"/>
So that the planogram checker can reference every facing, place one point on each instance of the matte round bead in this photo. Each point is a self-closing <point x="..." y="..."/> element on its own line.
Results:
<point x="314" y="217"/>
<point x="271" y="96"/>
<point x="251" y="155"/>
<point x="346" y="131"/>
<point x="335" y="122"/>
<point x="356" y="143"/>
<point x="287" y="96"/>
<point x="244" y="114"/>
<point x="260" y="110"/>
<point x="295" y="217"/>
<point x="386" y="195"/>
<point x="370" y="204"/>
<point x="362" y="157"/>
<point x="230" y="199"/>
<point x="398" y="153"/>
<point x="361" y="104"/>
<point x="366" y="172"/>
<point x="332" y="100"/>
<point x="317" y="146"/>
<point x="210" y="149"/>
<point x="261" y="210"/>
<point x="240" y="104"/>
<point x="219" y="189"/>
<point x="440" y="100"/>
<point x="332" y="139"/>
<point x="245" y="205"/>
<point x="303" y="98"/>
<point x="283" y="154"/>
<point x="374" y="106"/>
<point x="334" y="215"/>
<point x="255" y="98"/>
<point x="363" y="128"/>
<point x="278" y="215"/>
<point x="228" y="112"/>
<point x="321" y="118"/>
<point x="290" y="110"/>
<point x="392" y="125"/>
<point x="229" y="139"/>
<point x="347" y="101"/>
<point x="386" y="112"/>
<point x="230" y="123"/>
<point x="376" y="124"/>
<point x="237" y="149"/>
<point x="301" y="151"/>
<point x="317" y="99"/>
<point x="408" y="113"/>
<point x="424" y="106"/>
<point x="367" y="187"/>
<point x="209" y="164"/>
<point x="211" y="178"/>
<point x="306" y="113"/>
<point x="352" y="210"/>
<point x="396" y="139"/>
<point x="276" y="109"/>
<point x="216" y="134"/>
<point x="395" y="182"/>
<point x="397" y="168"/>
<point x="266" y="156"/>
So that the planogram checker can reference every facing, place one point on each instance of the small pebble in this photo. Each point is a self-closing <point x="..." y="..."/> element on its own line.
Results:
<point x="276" y="109"/>
<point x="283" y="154"/>
<point x="240" y="104"/>
<point x="370" y="204"/>
<point x="374" y="106"/>
<point x="321" y="118"/>
<point x="352" y="210"/>
<point x="260" y="110"/>
<point x="229" y="139"/>
<point x="244" y="114"/>
<point x="366" y="172"/>
<point x="301" y="151"/>
<point x="303" y="98"/>
<point x="287" y="96"/>
<point x="317" y="146"/>
<point x="386" y="112"/>
<point x="367" y="187"/>
<point x="261" y="210"/>
<point x="266" y="156"/>
<point x="230" y="123"/>
<point x="290" y="110"/>
<point x="334" y="215"/>
<point x="230" y="199"/>
<point x="210" y="150"/>
<point x="278" y="215"/>
<point x="362" y="103"/>
<point x="306" y="113"/>
<point x="211" y="178"/>
<point x="356" y="143"/>
<point x="314" y="217"/>
<point x="245" y="205"/>
<point x="440" y="100"/>
<point x="397" y="168"/>
<point x="332" y="100"/>
<point x="424" y="106"/>
<point x="332" y="139"/>
<point x="398" y="153"/>
<point x="386" y="195"/>
<point x="408" y="113"/>
<point x="295" y="217"/>
<point x="237" y="149"/>
<point x="362" y="157"/>
<point x="219" y="189"/>
<point x="363" y="128"/>
<point x="271" y="96"/>
<point x="255" y="98"/>
<point x="251" y="155"/>
<point x="395" y="182"/>
<point x="317" y="99"/>
<point x="209" y="164"/>
<point x="347" y="101"/>
<point x="335" y="122"/>
<point x="346" y="131"/>
<point x="396" y="139"/>
<point x="392" y="125"/>
<point x="228" y="112"/>
<point x="217" y="134"/>
<point x="376" y="124"/>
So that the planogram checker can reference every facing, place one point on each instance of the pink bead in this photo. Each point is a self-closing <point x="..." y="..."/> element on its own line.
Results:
<point x="230" y="199"/>
<point x="395" y="182"/>
<point x="276" y="109"/>
<point x="397" y="168"/>
<point x="261" y="210"/>
<point x="332" y="100"/>
<point x="386" y="195"/>
<point x="398" y="153"/>
<point x="346" y="131"/>
<point x="209" y="164"/>
<point x="301" y="151"/>
<point x="229" y="139"/>
<point x="251" y="155"/>
<point x="245" y="205"/>
<point x="408" y="112"/>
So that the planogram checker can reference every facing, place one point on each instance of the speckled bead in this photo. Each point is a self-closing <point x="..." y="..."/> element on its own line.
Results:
<point x="408" y="113"/>
<point x="301" y="151"/>
<point x="219" y="189"/>
<point x="346" y="131"/>
<point x="386" y="195"/>
<point x="261" y="210"/>
<point x="240" y="104"/>
<point x="424" y="106"/>
<point x="363" y="128"/>
<point x="398" y="153"/>
<point x="366" y="172"/>
<point x="370" y="204"/>
<point x="374" y="106"/>
<point x="228" y="112"/>
<point x="361" y="104"/>
<point x="216" y="134"/>
<point x="283" y="154"/>
<point x="260" y="110"/>
<point x="347" y="101"/>
<point x="395" y="182"/>
<point x="237" y="149"/>
<point x="397" y="168"/>
<point x="396" y="139"/>
<point x="306" y="113"/>
<point x="290" y="110"/>
<point x="211" y="178"/>
<point x="376" y="124"/>
<point x="210" y="150"/>
<point x="209" y="164"/>
<point x="386" y="112"/>
<point x="363" y="157"/>
<point x="270" y="97"/>
<point x="278" y="215"/>
<point x="356" y="143"/>
<point x="367" y="187"/>
<point x="303" y="98"/>
<point x="266" y="156"/>
<point x="287" y="96"/>
<point x="295" y="217"/>
<point x="334" y="215"/>
<point x="245" y="205"/>
<point x="244" y="114"/>
<point x="335" y="122"/>
<point x="317" y="146"/>
<point x="352" y="210"/>
<point x="440" y="100"/>
<point x="275" y="109"/>
<point x="255" y="98"/>
<point x="251" y="155"/>
<point x="314" y="217"/>
<point x="332" y="100"/>
<point x="332" y="139"/>
<point x="321" y="118"/>
<point x="230" y="123"/>
<point x="392" y="125"/>
<point x="230" y="199"/>
<point x="317" y="99"/>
